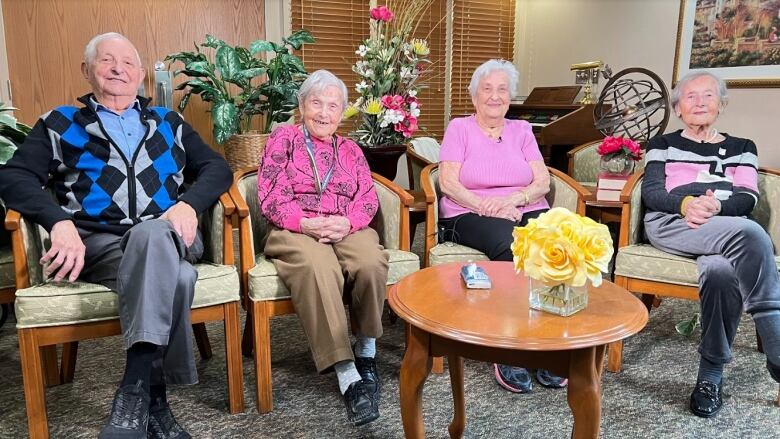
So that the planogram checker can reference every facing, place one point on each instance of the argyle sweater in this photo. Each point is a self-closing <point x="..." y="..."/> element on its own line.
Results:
<point x="96" y="185"/>
<point x="677" y="167"/>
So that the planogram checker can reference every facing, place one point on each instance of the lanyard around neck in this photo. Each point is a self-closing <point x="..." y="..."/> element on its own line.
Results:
<point x="319" y="184"/>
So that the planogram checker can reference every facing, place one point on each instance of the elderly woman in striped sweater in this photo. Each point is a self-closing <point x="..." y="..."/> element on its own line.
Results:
<point x="699" y="189"/>
<point x="493" y="178"/>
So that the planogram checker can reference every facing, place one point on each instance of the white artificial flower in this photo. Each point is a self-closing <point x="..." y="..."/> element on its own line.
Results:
<point x="360" y="87"/>
<point x="405" y="72"/>
<point x="413" y="93"/>
<point x="362" y="50"/>
<point x="369" y="73"/>
<point x="413" y="110"/>
<point x="391" y="117"/>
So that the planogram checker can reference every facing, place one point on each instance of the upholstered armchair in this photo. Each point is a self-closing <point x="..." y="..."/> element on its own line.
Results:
<point x="420" y="153"/>
<point x="50" y="313"/>
<point x="641" y="268"/>
<point x="584" y="163"/>
<point x="564" y="192"/>
<point x="265" y="295"/>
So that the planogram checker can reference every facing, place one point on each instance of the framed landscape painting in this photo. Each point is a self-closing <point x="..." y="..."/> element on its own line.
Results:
<point x="738" y="40"/>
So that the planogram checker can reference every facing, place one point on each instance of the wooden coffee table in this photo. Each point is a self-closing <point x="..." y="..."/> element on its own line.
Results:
<point x="496" y="325"/>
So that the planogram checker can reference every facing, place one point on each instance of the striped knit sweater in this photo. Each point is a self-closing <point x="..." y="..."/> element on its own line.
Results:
<point x="677" y="167"/>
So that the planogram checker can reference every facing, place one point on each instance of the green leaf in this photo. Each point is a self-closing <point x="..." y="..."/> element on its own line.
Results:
<point x="198" y="67"/>
<point x="224" y="115"/>
<point x="7" y="149"/>
<point x="686" y="327"/>
<point x="298" y="38"/>
<point x="261" y="46"/>
<point x="213" y="42"/>
<point x="227" y="62"/>
<point x="252" y="73"/>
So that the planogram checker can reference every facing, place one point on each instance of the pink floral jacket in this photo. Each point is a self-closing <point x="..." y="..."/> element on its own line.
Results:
<point x="286" y="187"/>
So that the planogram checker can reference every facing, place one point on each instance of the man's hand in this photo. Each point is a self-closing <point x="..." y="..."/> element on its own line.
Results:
<point x="184" y="220"/>
<point x="66" y="255"/>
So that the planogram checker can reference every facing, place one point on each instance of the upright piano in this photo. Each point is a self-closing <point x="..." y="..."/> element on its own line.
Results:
<point x="558" y="123"/>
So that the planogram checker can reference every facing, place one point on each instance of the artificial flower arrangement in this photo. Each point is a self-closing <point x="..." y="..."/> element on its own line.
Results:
<point x="561" y="250"/>
<point x="389" y="66"/>
<point x="613" y="146"/>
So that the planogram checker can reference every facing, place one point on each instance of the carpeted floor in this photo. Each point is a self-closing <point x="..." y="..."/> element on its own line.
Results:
<point x="647" y="400"/>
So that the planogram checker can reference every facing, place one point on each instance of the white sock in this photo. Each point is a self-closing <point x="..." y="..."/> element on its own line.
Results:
<point x="365" y="347"/>
<point x="346" y="373"/>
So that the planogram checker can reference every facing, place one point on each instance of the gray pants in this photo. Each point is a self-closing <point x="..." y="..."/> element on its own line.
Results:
<point x="150" y="268"/>
<point x="736" y="266"/>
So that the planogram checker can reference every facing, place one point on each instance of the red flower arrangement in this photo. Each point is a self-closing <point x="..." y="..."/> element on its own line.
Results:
<point x="619" y="146"/>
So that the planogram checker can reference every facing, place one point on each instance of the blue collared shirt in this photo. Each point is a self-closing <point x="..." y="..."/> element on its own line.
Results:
<point x="126" y="130"/>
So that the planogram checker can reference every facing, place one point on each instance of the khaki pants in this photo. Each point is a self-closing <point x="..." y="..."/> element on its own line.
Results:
<point x="318" y="275"/>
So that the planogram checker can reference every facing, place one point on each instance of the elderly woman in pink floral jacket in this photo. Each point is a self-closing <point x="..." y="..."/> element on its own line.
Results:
<point x="316" y="189"/>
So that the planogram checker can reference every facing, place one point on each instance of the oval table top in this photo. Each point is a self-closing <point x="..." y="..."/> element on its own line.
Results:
<point x="436" y="300"/>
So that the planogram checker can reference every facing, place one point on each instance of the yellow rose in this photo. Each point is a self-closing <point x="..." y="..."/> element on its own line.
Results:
<point x="596" y="245"/>
<point x="566" y="222"/>
<point x="520" y="245"/>
<point x="562" y="262"/>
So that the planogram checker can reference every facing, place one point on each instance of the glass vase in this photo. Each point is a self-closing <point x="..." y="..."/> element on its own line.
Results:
<point x="617" y="165"/>
<point x="562" y="299"/>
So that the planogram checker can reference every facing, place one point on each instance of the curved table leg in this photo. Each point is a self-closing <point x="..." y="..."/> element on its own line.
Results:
<point x="458" y="423"/>
<point x="584" y="392"/>
<point x="415" y="368"/>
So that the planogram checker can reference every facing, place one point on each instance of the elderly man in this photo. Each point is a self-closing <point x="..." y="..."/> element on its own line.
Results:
<point x="122" y="217"/>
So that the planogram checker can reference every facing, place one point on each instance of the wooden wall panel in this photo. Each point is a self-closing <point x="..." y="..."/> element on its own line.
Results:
<point x="45" y="40"/>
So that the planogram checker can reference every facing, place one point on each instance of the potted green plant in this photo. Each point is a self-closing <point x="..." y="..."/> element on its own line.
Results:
<point x="12" y="132"/>
<point x="230" y="79"/>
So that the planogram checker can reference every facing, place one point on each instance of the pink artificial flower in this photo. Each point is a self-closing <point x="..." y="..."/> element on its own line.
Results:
<point x="394" y="102"/>
<point x="614" y="145"/>
<point x="407" y="127"/>
<point x="412" y="99"/>
<point x="382" y="13"/>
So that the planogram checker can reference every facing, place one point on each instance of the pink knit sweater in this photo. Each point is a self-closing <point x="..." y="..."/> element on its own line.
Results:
<point x="286" y="188"/>
<point x="490" y="168"/>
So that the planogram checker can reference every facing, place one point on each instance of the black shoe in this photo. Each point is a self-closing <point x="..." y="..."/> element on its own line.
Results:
<point x="707" y="398"/>
<point x="129" y="414"/>
<point x="162" y="424"/>
<point x="366" y="367"/>
<point x="361" y="407"/>
<point x="774" y="371"/>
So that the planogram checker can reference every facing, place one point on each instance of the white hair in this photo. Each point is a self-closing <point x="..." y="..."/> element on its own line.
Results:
<point x="90" y="52"/>
<point x="491" y="66"/>
<point x="690" y="76"/>
<point x="319" y="81"/>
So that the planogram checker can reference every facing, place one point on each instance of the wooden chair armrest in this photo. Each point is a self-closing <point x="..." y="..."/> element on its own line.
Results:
<point x="238" y="200"/>
<point x="13" y="223"/>
<point x="406" y="198"/>
<point x="430" y="218"/>
<point x="582" y="193"/>
<point x="625" y="212"/>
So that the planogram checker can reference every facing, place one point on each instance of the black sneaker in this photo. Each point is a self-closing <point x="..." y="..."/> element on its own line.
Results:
<point x="774" y="371"/>
<point x="162" y="424"/>
<point x="361" y="407"/>
<point x="707" y="398"/>
<point x="366" y="367"/>
<point x="129" y="414"/>
<point x="514" y="379"/>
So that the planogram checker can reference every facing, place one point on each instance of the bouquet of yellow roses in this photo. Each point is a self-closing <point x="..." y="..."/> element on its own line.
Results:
<point x="561" y="250"/>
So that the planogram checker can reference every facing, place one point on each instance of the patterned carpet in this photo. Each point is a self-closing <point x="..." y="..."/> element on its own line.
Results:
<point x="647" y="400"/>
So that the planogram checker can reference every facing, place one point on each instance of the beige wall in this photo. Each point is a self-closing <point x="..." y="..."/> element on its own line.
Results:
<point x="629" y="33"/>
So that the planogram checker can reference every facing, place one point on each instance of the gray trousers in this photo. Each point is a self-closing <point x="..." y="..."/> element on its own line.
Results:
<point x="150" y="268"/>
<point x="737" y="270"/>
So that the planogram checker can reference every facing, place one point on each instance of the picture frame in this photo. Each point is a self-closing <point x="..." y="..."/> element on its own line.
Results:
<point x="740" y="42"/>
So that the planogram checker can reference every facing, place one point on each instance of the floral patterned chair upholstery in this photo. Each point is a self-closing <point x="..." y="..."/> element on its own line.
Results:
<point x="265" y="295"/>
<point x="50" y="313"/>
<point x="641" y="268"/>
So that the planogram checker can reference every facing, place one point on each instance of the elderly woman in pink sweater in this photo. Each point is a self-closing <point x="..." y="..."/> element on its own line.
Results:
<point x="493" y="178"/>
<point x="316" y="189"/>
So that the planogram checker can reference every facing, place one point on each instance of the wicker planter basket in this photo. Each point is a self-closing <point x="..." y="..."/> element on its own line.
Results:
<point x="245" y="150"/>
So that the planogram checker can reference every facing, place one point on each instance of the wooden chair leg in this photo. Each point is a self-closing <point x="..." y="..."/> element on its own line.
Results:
<point x="202" y="340"/>
<point x="32" y="376"/>
<point x="648" y="300"/>
<point x="235" y="372"/>
<point x="246" y="339"/>
<point x="50" y="366"/>
<point x="262" y="341"/>
<point x="438" y="365"/>
<point x="615" y="356"/>
<point x="68" y="365"/>
<point x="759" y="344"/>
